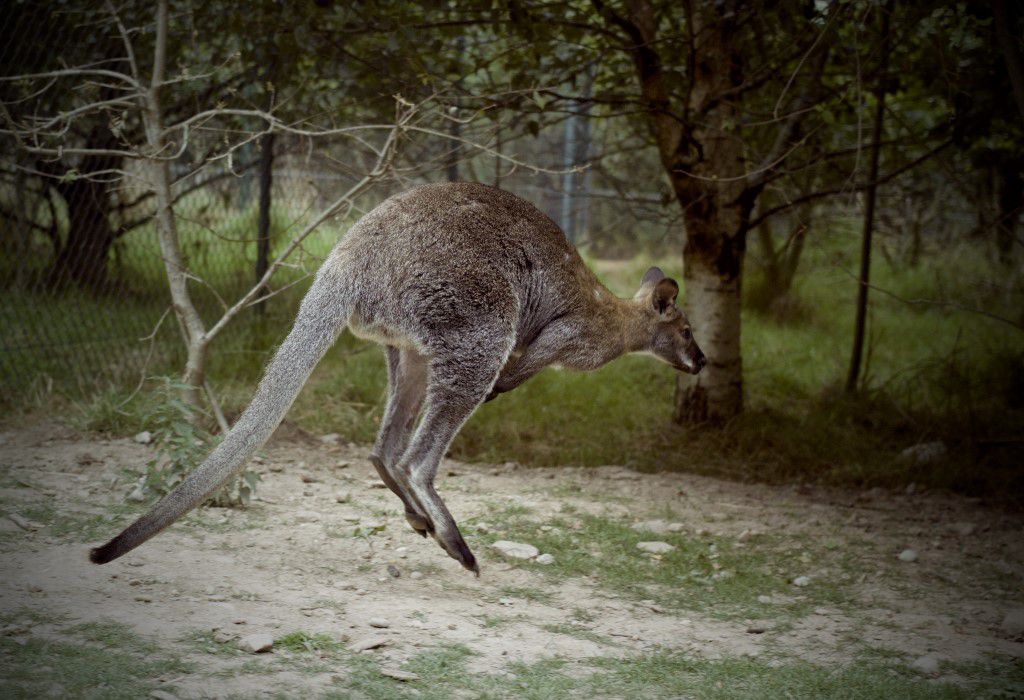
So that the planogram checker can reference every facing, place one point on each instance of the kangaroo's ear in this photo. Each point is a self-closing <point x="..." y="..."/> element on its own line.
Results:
<point x="652" y="276"/>
<point x="665" y="293"/>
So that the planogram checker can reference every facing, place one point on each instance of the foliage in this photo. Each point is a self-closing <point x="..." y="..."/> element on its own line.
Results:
<point x="181" y="444"/>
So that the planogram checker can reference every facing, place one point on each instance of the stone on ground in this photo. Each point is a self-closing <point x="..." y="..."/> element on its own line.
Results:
<point x="655" y="547"/>
<point x="256" y="643"/>
<point x="516" y="550"/>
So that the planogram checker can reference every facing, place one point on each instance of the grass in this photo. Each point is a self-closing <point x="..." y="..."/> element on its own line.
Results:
<point x="106" y="660"/>
<point x="97" y="660"/>
<point x="931" y="372"/>
<point x="443" y="674"/>
<point x="714" y="575"/>
<point x="303" y="642"/>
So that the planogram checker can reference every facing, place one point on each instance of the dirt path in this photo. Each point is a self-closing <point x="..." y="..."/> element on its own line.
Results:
<point x="312" y="564"/>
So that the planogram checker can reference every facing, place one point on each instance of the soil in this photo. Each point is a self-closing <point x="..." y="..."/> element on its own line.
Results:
<point x="285" y="564"/>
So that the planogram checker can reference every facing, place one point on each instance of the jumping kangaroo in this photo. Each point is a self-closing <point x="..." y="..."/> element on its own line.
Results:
<point x="471" y="291"/>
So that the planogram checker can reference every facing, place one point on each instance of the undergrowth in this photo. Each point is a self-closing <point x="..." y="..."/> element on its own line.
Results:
<point x="933" y="371"/>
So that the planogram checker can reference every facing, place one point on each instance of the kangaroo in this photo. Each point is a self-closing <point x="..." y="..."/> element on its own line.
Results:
<point x="471" y="291"/>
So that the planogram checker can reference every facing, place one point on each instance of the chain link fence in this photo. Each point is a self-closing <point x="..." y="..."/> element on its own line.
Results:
<point x="85" y="300"/>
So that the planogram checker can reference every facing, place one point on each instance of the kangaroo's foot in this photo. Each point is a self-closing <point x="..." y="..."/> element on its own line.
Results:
<point x="442" y="527"/>
<point x="418" y="522"/>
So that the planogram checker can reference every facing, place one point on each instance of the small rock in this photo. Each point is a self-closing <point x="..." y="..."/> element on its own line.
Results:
<point x="908" y="555"/>
<point x="162" y="695"/>
<point x="505" y="601"/>
<point x="516" y="550"/>
<point x="755" y="629"/>
<point x="143" y="438"/>
<point x="307" y="516"/>
<point x="911" y="489"/>
<point x="256" y="643"/>
<point x="802" y="581"/>
<point x="399" y="675"/>
<point x="655" y="547"/>
<point x="928" y="665"/>
<point x="309" y="478"/>
<point x="546" y="559"/>
<point x="330" y="439"/>
<point x="342" y="464"/>
<point x="343" y="497"/>
<point x="143" y="599"/>
<point x="222" y="637"/>
<point x="416" y="575"/>
<point x="379" y="622"/>
<point x="924" y="453"/>
<point x="765" y="599"/>
<point x="368" y="643"/>
<point x="658" y="527"/>
<point x="1013" y="622"/>
<point x="135" y="582"/>
<point x="745" y="535"/>
<point x="393" y="571"/>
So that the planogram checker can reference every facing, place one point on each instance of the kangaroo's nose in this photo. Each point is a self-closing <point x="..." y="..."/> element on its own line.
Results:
<point x="701" y="361"/>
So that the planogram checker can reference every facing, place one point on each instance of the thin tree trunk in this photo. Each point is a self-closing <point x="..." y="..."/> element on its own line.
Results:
<point x="263" y="221"/>
<point x="853" y="377"/>
<point x="159" y="172"/>
<point x="568" y="178"/>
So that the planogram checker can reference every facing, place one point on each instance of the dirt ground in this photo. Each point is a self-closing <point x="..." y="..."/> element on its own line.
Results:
<point x="315" y="557"/>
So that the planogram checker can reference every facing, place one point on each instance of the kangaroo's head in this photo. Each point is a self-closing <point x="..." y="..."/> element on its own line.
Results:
<point x="671" y="338"/>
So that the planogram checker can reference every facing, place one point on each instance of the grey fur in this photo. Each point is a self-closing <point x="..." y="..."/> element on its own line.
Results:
<point x="472" y="291"/>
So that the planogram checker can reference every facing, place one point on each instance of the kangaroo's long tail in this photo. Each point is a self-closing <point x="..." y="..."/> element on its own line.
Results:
<point x="324" y="312"/>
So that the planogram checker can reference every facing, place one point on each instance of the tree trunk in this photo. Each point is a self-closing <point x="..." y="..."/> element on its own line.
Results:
<point x="159" y="172"/>
<point x="82" y="258"/>
<point x="713" y="308"/>
<point x="716" y="203"/>
<point x="853" y="377"/>
<point x="568" y="177"/>
<point x="263" y="222"/>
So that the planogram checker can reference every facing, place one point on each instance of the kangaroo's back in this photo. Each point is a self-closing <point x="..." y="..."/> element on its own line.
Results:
<point x="473" y="239"/>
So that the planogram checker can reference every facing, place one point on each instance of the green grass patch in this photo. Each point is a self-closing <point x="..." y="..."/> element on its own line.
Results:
<point x="304" y="642"/>
<point x="443" y="673"/>
<point x="710" y="574"/>
<point x="103" y="660"/>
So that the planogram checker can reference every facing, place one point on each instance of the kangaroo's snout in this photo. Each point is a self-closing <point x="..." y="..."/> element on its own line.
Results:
<point x="694" y="364"/>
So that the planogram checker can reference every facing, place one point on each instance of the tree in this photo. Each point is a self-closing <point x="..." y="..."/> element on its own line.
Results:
<point x="698" y="92"/>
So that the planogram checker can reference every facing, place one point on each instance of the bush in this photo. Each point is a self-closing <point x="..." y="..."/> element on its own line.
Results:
<point x="181" y="444"/>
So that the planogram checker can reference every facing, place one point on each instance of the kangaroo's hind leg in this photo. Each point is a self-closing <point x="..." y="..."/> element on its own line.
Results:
<point x="457" y="385"/>
<point x="407" y="386"/>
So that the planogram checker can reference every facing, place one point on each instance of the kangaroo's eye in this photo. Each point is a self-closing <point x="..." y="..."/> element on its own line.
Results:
<point x="686" y="334"/>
